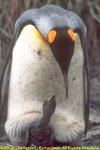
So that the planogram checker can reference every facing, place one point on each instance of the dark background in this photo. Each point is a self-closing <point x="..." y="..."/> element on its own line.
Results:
<point x="89" y="11"/>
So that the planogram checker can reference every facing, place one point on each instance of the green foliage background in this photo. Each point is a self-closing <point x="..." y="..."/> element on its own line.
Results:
<point x="88" y="10"/>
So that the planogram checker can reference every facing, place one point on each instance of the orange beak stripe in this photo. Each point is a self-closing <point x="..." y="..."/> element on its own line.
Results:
<point x="51" y="36"/>
<point x="39" y="35"/>
<point x="71" y="34"/>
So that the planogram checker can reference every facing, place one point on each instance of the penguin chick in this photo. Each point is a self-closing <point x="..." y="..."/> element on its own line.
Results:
<point x="39" y="133"/>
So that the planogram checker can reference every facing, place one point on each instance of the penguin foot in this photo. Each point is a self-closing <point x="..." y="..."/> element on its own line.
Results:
<point x="40" y="138"/>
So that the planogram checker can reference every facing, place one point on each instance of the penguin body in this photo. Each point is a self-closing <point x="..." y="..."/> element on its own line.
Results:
<point x="35" y="75"/>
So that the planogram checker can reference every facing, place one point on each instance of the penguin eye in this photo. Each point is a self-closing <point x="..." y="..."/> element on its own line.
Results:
<point x="51" y="36"/>
<point x="71" y="34"/>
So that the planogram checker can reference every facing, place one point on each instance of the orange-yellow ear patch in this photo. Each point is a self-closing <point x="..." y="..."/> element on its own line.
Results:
<point x="51" y="36"/>
<point x="71" y="34"/>
<point x="37" y="33"/>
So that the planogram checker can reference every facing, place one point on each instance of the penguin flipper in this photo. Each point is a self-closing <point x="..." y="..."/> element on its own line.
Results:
<point x="4" y="77"/>
<point x="4" y="91"/>
<point x="87" y="98"/>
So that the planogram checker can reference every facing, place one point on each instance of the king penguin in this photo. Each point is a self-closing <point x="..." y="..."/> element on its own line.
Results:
<point x="47" y="57"/>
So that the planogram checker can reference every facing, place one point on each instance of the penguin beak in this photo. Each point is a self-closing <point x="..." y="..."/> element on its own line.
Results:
<point x="62" y="46"/>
